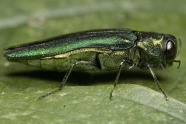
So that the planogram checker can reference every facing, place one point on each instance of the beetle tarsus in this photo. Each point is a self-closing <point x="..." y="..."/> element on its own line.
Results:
<point x="179" y="63"/>
<point x="111" y="95"/>
<point x="48" y="94"/>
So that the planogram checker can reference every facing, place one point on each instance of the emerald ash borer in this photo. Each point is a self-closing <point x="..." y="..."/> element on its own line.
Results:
<point x="99" y="50"/>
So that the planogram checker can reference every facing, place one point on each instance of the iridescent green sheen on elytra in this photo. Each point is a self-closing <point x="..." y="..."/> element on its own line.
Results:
<point x="110" y="39"/>
<point x="104" y="49"/>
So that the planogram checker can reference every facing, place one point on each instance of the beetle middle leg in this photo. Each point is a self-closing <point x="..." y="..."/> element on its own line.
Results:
<point x="66" y="77"/>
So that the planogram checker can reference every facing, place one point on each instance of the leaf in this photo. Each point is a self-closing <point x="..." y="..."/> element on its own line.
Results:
<point x="85" y="98"/>
<point x="130" y="103"/>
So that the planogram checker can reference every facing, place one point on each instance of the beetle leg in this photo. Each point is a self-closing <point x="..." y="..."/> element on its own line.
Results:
<point x="117" y="78"/>
<point x="157" y="82"/>
<point x="65" y="78"/>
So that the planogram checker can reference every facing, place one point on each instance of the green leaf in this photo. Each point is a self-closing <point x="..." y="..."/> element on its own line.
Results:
<point x="85" y="98"/>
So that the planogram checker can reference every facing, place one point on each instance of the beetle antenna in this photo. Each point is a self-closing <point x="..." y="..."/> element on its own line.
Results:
<point x="179" y="63"/>
<point x="179" y="47"/>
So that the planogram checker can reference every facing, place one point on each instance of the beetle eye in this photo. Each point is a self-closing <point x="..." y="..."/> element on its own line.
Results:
<point x="171" y="50"/>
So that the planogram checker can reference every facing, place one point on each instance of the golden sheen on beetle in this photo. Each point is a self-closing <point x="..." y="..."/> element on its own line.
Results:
<point x="99" y="50"/>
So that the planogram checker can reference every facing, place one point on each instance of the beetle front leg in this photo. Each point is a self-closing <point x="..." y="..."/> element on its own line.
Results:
<point x="65" y="78"/>
<point x="117" y="78"/>
<point x="157" y="82"/>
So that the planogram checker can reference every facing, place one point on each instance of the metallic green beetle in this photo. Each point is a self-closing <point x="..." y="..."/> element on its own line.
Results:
<point x="99" y="50"/>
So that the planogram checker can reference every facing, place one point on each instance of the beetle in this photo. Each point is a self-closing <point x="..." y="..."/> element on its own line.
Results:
<point x="99" y="50"/>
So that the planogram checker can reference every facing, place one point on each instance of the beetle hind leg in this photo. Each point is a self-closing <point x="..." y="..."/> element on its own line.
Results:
<point x="117" y="78"/>
<point x="66" y="77"/>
